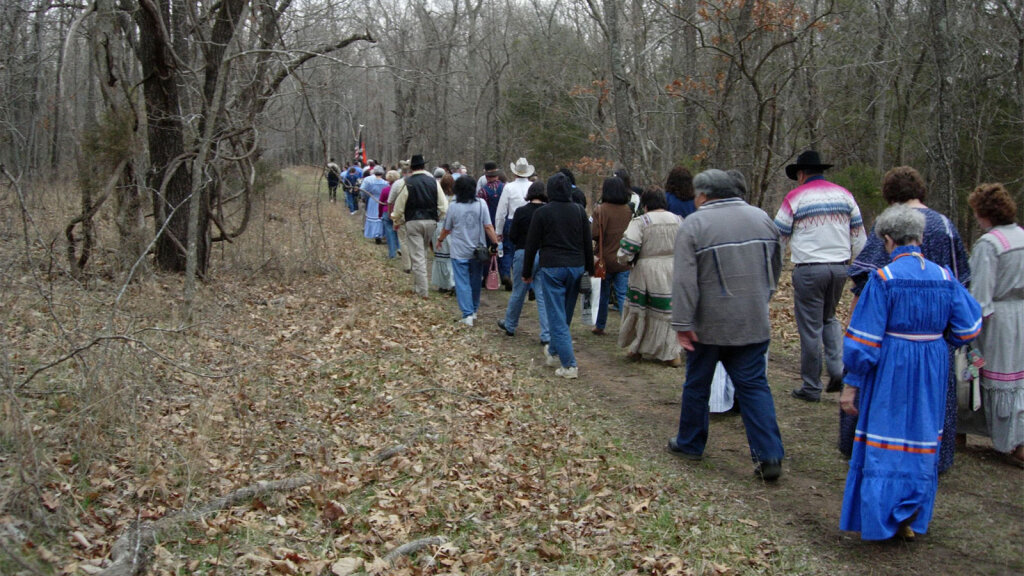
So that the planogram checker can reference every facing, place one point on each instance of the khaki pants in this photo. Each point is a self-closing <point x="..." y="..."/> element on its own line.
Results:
<point x="420" y="233"/>
<point x="403" y="244"/>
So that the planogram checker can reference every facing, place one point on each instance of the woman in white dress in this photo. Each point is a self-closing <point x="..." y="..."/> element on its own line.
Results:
<point x="648" y="245"/>
<point x="997" y="267"/>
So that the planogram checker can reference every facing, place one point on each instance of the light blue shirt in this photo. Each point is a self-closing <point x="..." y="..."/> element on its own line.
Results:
<point x="373" y="185"/>
<point x="465" y="222"/>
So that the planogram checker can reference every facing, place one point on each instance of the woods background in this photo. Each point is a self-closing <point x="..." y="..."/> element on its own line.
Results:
<point x="152" y="102"/>
<point x="136" y="136"/>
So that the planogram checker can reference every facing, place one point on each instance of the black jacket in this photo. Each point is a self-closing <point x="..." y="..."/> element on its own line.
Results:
<point x="520" y="228"/>
<point x="561" y="231"/>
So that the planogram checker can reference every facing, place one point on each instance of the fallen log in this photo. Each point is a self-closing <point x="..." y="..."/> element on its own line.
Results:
<point x="133" y="550"/>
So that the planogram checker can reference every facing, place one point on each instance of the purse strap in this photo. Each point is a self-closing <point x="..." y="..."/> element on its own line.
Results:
<point x="600" y="236"/>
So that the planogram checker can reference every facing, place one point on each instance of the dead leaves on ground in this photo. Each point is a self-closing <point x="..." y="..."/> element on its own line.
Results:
<point x="324" y="383"/>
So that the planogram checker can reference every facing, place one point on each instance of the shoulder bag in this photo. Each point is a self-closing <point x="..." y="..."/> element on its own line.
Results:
<point x="481" y="253"/>
<point x="599" y="269"/>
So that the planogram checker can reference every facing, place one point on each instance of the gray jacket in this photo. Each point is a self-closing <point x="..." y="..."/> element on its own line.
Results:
<point x="727" y="263"/>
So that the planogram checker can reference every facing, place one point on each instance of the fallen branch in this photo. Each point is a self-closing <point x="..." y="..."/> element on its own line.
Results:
<point x="441" y="389"/>
<point x="414" y="546"/>
<point x="390" y="453"/>
<point x="133" y="550"/>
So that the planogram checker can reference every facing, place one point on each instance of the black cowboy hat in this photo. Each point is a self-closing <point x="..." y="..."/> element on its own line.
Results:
<point x="807" y="160"/>
<point x="417" y="161"/>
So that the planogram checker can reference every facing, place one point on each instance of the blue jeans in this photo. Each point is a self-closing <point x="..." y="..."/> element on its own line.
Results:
<point x="560" y="287"/>
<point x="508" y="249"/>
<point x="352" y="200"/>
<point x="391" y="235"/>
<point x="467" y="293"/>
<point x="746" y="366"/>
<point x="519" y="288"/>
<point x="618" y="281"/>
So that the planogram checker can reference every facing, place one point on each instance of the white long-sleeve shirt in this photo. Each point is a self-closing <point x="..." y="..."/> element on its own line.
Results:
<point x="513" y="196"/>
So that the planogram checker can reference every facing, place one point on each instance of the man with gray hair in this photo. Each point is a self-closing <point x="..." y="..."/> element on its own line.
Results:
<point x="727" y="261"/>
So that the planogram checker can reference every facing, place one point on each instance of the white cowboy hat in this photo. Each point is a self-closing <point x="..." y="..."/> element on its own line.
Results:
<point x="522" y="168"/>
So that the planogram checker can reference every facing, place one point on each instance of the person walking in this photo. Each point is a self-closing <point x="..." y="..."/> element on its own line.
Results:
<point x="491" y="192"/>
<point x="997" y="263"/>
<point x="941" y="244"/>
<point x="441" y="275"/>
<point x="371" y="188"/>
<point x="513" y="196"/>
<point x="679" y="191"/>
<point x="726" y="264"/>
<point x="610" y="219"/>
<point x="560" y="231"/>
<point x="350" y="183"/>
<point x="822" y="224"/>
<point x="648" y="245"/>
<point x="403" y="238"/>
<point x="895" y="356"/>
<point x="333" y="174"/>
<point x="419" y="204"/>
<point x="385" y="214"/>
<point x="518" y="231"/>
<point x="466" y="226"/>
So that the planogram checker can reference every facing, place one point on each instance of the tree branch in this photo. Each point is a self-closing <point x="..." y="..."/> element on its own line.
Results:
<point x="132" y="551"/>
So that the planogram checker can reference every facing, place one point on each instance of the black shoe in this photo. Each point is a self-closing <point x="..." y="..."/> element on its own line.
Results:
<point x="543" y="343"/>
<point x="768" y="470"/>
<point x="501" y="324"/>
<point x="530" y="295"/>
<point x="834" y="385"/>
<point x="799" y="394"/>
<point x="507" y="282"/>
<point x="673" y="448"/>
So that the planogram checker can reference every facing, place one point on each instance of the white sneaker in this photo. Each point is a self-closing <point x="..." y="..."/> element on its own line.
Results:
<point x="570" y="373"/>
<point x="468" y="321"/>
<point x="551" y="360"/>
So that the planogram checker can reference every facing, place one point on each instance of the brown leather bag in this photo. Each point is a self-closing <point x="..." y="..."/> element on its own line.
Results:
<point x="599" y="269"/>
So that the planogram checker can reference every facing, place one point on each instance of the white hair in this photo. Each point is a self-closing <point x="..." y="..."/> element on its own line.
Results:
<point x="716" y="183"/>
<point x="901" y="223"/>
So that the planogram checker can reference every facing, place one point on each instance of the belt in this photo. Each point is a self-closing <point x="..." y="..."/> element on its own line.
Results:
<point x="820" y="264"/>
<point x="914" y="337"/>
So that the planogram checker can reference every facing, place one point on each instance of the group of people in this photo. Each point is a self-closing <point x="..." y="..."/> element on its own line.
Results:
<point x="692" y="267"/>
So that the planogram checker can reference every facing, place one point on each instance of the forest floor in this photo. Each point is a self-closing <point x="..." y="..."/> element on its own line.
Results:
<point x="361" y="419"/>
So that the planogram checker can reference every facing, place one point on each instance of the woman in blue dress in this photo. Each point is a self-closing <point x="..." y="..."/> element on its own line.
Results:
<point x="895" y="356"/>
<point x="941" y="244"/>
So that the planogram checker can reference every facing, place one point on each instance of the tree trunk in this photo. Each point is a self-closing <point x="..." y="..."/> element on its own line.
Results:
<point x="169" y="177"/>
<point x="625" y="136"/>
<point x="943" y="152"/>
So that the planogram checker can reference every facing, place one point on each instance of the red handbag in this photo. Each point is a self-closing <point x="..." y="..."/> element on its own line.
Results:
<point x="493" y="281"/>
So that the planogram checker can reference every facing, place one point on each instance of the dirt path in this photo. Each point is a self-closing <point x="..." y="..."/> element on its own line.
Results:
<point x="978" y="527"/>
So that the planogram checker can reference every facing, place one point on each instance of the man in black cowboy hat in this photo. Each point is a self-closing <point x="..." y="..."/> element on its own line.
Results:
<point x="419" y="204"/>
<point x="822" y="224"/>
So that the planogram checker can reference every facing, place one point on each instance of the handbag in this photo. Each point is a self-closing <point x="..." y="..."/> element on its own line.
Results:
<point x="967" y="364"/>
<point x="587" y="300"/>
<point x="493" y="281"/>
<point x="599" y="269"/>
<point x="481" y="253"/>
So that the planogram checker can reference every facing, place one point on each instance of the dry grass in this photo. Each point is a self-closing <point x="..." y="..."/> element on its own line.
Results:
<point x="309" y="359"/>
